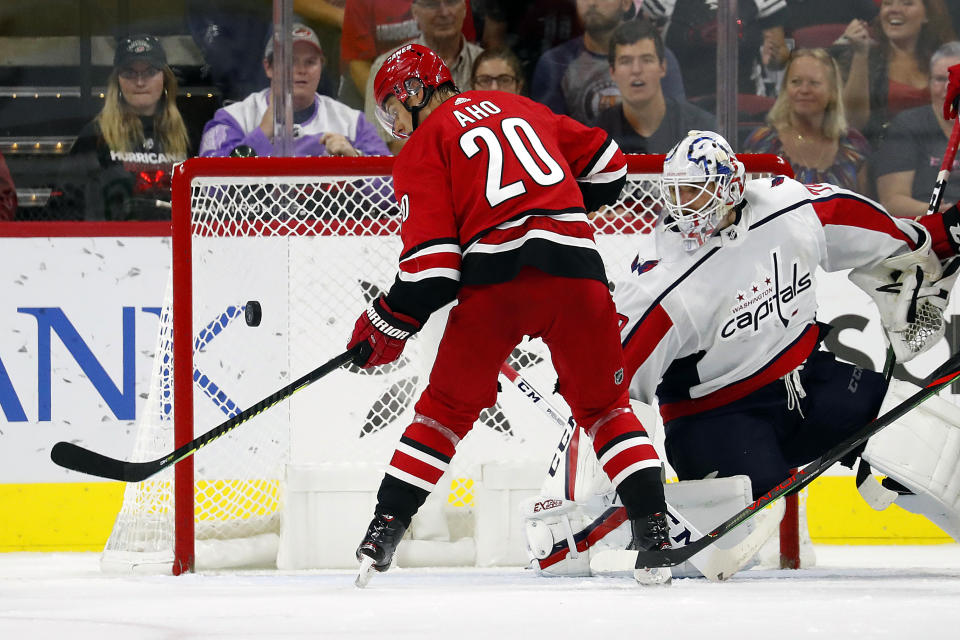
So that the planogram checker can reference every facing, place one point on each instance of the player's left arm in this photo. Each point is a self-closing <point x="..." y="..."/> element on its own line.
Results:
<point x="595" y="159"/>
<point x="428" y="276"/>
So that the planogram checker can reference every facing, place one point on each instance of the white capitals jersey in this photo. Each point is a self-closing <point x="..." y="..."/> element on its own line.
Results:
<point x="704" y="329"/>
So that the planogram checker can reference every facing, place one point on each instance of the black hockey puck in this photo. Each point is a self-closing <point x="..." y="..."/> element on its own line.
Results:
<point x="252" y="313"/>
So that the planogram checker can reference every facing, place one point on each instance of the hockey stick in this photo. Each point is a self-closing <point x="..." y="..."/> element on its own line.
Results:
<point x="936" y="198"/>
<point x="569" y="426"/>
<point x="947" y="373"/>
<point x="712" y="562"/>
<point x="77" y="458"/>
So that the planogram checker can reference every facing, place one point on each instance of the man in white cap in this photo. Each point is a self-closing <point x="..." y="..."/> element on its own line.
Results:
<point x="322" y="126"/>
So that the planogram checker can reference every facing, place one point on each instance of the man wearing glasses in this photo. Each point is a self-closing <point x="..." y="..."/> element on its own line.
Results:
<point x="441" y="29"/>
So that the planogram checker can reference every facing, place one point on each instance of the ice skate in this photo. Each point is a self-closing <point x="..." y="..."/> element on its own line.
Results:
<point x="375" y="553"/>
<point x="650" y="534"/>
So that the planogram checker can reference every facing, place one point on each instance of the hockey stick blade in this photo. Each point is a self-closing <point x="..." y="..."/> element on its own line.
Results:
<point x="77" y="458"/>
<point x="947" y="373"/>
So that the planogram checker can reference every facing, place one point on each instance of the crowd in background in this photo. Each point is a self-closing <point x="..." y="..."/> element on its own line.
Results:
<point x="848" y="91"/>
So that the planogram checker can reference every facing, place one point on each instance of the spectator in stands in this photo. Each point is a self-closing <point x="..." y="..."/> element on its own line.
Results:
<point x="224" y="31"/>
<point x="909" y="159"/>
<point x="322" y="126"/>
<point x="884" y="78"/>
<point x="574" y="78"/>
<point x="645" y="121"/>
<point x="497" y="70"/>
<point x="375" y="27"/>
<point x="325" y="17"/>
<point x="818" y="13"/>
<point x="8" y="194"/>
<point x="528" y="28"/>
<point x="119" y="167"/>
<point x="441" y="28"/>
<point x="807" y="125"/>
<point x="690" y="31"/>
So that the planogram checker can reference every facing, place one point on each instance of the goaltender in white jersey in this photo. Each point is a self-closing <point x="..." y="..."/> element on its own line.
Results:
<point x="720" y="329"/>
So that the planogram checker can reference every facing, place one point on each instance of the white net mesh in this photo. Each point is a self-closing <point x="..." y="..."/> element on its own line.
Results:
<point x="313" y="250"/>
<point x="143" y="534"/>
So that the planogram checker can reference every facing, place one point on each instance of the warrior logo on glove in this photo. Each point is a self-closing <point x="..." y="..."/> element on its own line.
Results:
<point x="386" y="332"/>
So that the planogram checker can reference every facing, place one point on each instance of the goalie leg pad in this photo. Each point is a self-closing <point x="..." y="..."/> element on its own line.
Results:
<point x="549" y="526"/>
<point x="922" y="452"/>
<point x="707" y="502"/>
<point x="562" y="536"/>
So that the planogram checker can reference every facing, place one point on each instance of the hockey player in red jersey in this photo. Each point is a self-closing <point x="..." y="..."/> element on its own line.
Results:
<point x="494" y="191"/>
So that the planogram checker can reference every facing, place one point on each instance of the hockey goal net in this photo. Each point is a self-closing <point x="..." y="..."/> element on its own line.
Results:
<point x="307" y="242"/>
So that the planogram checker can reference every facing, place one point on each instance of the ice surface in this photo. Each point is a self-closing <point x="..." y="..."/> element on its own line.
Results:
<point x="908" y="593"/>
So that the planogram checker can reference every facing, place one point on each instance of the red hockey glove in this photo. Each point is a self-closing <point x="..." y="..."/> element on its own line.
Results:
<point x="953" y="93"/>
<point x="951" y="226"/>
<point x="385" y="331"/>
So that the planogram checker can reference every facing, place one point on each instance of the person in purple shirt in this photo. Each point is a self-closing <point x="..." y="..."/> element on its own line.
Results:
<point x="574" y="78"/>
<point x="322" y="126"/>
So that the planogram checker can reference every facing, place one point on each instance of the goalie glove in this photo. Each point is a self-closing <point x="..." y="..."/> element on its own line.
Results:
<point x="386" y="332"/>
<point x="911" y="292"/>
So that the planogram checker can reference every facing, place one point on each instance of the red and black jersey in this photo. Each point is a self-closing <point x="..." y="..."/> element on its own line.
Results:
<point x="491" y="182"/>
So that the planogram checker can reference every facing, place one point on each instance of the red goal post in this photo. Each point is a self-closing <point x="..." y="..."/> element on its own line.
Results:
<point x="312" y="240"/>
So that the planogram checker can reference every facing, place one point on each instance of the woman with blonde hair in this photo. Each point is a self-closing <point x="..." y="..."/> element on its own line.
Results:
<point x="119" y="167"/>
<point x="807" y="125"/>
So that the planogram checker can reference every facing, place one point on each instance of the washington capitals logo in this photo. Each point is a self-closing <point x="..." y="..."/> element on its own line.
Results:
<point x="642" y="267"/>
<point x="771" y="296"/>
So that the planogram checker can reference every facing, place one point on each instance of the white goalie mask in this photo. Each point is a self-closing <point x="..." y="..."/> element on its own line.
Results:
<point x="702" y="179"/>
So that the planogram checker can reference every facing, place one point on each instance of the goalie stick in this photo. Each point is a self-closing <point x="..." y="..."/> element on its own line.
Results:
<point x="947" y="373"/>
<point x="77" y="458"/>
<point x="714" y="563"/>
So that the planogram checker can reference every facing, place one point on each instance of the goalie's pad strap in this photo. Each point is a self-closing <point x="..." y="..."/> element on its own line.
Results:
<point x="872" y="490"/>
<point x="609" y="520"/>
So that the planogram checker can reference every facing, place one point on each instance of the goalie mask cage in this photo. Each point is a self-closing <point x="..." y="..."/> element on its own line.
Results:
<point x="311" y="241"/>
